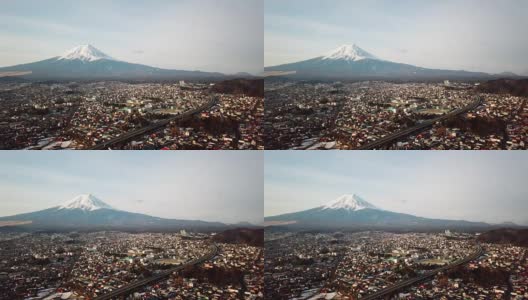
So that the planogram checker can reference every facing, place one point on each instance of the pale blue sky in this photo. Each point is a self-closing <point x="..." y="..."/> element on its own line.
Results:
<point x="485" y="186"/>
<point x="213" y="186"/>
<point x="209" y="35"/>
<point x="476" y="35"/>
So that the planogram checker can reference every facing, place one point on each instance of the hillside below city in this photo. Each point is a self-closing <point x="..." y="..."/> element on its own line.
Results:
<point x="518" y="237"/>
<point x="250" y="236"/>
<point x="514" y="87"/>
<point x="247" y="87"/>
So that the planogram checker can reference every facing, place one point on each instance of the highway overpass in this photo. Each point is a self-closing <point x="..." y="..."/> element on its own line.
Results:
<point x="427" y="275"/>
<point x="391" y="138"/>
<point x="152" y="127"/>
<point x="131" y="287"/>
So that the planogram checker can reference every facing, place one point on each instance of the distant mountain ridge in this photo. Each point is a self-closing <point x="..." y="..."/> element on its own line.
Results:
<point x="351" y="212"/>
<point x="86" y="62"/>
<point x="87" y="213"/>
<point x="350" y="62"/>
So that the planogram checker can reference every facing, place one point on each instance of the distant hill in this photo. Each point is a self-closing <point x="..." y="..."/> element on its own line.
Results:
<point x="514" y="87"/>
<point x="249" y="236"/>
<point x="242" y="75"/>
<point x="518" y="237"/>
<point x="508" y="75"/>
<point x="12" y="79"/>
<point x="248" y="87"/>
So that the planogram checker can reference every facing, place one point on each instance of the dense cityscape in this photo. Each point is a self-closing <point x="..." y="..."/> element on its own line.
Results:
<point x="340" y="115"/>
<point x="89" y="265"/>
<point x="356" y="265"/>
<point x="84" y="115"/>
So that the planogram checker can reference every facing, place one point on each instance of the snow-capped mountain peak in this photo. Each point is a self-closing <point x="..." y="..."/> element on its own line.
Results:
<point x="85" y="53"/>
<point x="86" y="202"/>
<point x="348" y="53"/>
<point x="349" y="202"/>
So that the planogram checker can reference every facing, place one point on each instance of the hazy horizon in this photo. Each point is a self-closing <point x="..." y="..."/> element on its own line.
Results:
<point x="215" y="36"/>
<point x="449" y="34"/>
<point x="213" y="186"/>
<point x="486" y="186"/>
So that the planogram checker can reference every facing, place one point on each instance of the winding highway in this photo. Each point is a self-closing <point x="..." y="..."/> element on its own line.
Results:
<point x="129" y="288"/>
<point x="137" y="132"/>
<point x="405" y="132"/>
<point x="403" y="284"/>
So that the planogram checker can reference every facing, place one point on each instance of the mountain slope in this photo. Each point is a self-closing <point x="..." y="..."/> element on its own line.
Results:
<point x="352" y="212"/>
<point x="87" y="62"/>
<point x="248" y="87"/>
<point x="518" y="237"/>
<point x="512" y="87"/>
<point x="86" y="212"/>
<point x="352" y="62"/>
<point x="250" y="236"/>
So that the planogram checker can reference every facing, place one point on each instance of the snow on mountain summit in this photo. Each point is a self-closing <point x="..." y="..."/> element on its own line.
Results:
<point x="85" y="202"/>
<point x="349" y="202"/>
<point x="348" y="53"/>
<point x="85" y="53"/>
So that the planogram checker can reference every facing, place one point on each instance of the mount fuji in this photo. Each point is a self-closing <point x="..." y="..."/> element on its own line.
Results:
<point x="348" y="53"/>
<point x="350" y="62"/>
<point x="349" y="203"/>
<point x="84" y="53"/>
<point x="88" y="213"/>
<point x="87" y="202"/>
<point x="85" y="62"/>
<point x="351" y="212"/>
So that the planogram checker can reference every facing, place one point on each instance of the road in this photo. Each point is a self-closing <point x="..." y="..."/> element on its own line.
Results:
<point x="127" y="289"/>
<point x="138" y="132"/>
<point x="405" y="132"/>
<point x="403" y="284"/>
